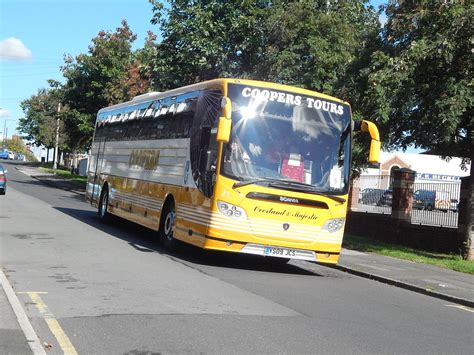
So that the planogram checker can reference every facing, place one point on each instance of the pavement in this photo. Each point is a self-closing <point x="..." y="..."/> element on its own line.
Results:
<point x="12" y="338"/>
<point x="427" y="279"/>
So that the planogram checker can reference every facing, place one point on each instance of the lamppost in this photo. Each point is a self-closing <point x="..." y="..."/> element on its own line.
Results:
<point x="56" y="158"/>
<point x="5" y="131"/>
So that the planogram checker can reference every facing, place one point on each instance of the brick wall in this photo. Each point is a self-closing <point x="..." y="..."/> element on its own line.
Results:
<point x="384" y="228"/>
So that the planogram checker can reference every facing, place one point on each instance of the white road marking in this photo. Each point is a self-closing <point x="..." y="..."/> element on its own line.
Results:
<point x="53" y="324"/>
<point x="23" y="320"/>
<point x="464" y="308"/>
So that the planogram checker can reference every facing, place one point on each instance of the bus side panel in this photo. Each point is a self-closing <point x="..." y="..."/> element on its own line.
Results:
<point x="193" y="216"/>
<point x="140" y="174"/>
<point x="193" y="210"/>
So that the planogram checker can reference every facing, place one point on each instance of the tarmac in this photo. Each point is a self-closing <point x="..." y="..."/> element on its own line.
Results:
<point x="433" y="281"/>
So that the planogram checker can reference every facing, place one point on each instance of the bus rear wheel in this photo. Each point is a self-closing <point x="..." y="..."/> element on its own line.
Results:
<point x="167" y="223"/>
<point x="103" y="208"/>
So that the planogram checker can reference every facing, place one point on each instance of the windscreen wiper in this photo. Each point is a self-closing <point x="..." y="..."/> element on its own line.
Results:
<point x="344" y="135"/>
<point x="252" y="181"/>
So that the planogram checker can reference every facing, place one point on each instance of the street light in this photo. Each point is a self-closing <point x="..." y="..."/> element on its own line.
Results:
<point x="55" y="164"/>
<point x="5" y="131"/>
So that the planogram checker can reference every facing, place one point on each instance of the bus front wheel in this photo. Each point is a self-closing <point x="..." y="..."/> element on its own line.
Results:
<point x="167" y="223"/>
<point x="104" y="205"/>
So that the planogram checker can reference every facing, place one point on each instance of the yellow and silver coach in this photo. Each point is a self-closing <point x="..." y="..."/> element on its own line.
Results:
<point x="233" y="165"/>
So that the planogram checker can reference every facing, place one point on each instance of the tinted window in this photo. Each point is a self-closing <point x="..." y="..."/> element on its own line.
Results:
<point x="168" y="118"/>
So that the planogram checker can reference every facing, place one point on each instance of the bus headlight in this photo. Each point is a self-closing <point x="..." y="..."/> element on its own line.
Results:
<point x="333" y="225"/>
<point x="230" y="210"/>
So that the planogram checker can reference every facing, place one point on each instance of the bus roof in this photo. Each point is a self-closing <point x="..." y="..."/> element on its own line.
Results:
<point x="152" y="96"/>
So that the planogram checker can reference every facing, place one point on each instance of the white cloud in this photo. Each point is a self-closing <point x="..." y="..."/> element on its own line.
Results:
<point x="4" y="113"/>
<point x="14" y="49"/>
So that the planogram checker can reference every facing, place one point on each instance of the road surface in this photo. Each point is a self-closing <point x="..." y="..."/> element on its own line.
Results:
<point x="92" y="288"/>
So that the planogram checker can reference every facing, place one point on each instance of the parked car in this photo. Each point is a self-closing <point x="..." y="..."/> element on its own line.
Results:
<point x="19" y="156"/>
<point x="434" y="200"/>
<point x="370" y="196"/>
<point x="424" y="199"/>
<point x="4" y="153"/>
<point x="386" y="198"/>
<point x="3" y="180"/>
<point x="431" y="200"/>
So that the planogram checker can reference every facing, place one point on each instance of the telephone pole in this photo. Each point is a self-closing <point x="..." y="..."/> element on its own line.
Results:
<point x="55" y="164"/>
<point x="4" y="134"/>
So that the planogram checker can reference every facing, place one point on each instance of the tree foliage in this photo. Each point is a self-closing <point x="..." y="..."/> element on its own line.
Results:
<point x="412" y="76"/>
<point x="204" y="40"/>
<point x="316" y="45"/>
<point x="16" y="145"/>
<point x="305" y="43"/>
<point x="99" y="78"/>
<point x="108" y="74"/>
<point x="311" y="44"/>
<point x="420" y="79"/>
<point x="39" y="123"/>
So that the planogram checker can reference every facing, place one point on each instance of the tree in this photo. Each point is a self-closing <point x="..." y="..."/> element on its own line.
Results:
<point x="107" y="75"/>
<point x="320" y="45"/>
<point x="311" y="44"/>
<point x="204" y="40"/>
<point x="419" y="81"/>
<point x="39" y="123"/>
<point x="16" y="145"/>
<point x="110" y="73"/>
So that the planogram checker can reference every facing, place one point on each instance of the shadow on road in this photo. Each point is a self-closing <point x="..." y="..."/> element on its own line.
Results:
<point x="145" y="240"/>
<point x="52" y="189"/>
<point x="33" y="182"/>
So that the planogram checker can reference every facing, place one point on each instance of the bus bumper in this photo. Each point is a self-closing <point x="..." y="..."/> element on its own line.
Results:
<point x="273" y="251"/>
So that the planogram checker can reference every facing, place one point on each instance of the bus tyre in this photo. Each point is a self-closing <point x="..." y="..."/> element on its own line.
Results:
<point x="104" y="205"/>
<point x="166" y="231"/>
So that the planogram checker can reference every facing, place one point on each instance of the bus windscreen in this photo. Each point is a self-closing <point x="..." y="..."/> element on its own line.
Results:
<point x="284" y="136"/>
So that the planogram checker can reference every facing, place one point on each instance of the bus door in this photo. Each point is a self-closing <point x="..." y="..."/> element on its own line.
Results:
<point x="203" y="145"/>
<point x="98" y="169"/>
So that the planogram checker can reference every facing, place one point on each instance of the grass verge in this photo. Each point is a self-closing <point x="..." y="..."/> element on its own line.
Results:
<point x="66" y="174"/>
<point x="448" y="261"/>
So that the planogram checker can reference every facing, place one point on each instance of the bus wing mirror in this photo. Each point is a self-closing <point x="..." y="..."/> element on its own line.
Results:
<point x="225" y="122"/>
<point x="223" y="130"/>
<point x="371" y="128"/>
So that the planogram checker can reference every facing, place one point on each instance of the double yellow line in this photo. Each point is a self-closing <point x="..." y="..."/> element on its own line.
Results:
<point x="52" y="323"/>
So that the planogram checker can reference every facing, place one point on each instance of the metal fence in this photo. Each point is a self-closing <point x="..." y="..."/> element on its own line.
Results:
<point x="375" y="194"/>
<point x="434" y="203"/>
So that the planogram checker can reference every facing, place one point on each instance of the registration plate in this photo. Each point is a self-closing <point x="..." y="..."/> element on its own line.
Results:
<point x="282" y="252"/>
<point x="279" y="252"/>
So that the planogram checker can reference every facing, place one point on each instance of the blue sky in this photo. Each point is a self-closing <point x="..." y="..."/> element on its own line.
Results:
<point x="49" y="29"/>
<point x="35" y="34"/>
